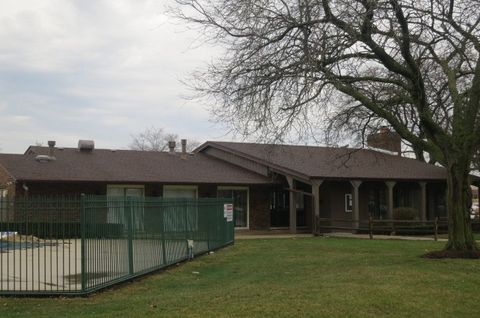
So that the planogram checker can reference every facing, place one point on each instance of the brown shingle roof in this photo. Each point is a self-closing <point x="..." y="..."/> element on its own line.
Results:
<point x="334" y="163"/>
<point x="104" y="165"/>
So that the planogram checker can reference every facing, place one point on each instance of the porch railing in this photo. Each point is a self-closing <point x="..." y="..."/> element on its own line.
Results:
<point x="77" y="245"/>
<point x="373" y="227"/>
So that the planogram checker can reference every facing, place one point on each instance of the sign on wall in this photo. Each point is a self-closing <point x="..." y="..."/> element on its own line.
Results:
<point x="228" y="212"/>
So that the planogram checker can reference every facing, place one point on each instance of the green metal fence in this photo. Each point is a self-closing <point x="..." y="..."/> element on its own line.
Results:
<point x="78" y="245"/>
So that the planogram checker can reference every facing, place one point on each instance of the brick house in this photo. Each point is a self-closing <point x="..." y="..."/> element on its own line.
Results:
<point x="273" y="186"/>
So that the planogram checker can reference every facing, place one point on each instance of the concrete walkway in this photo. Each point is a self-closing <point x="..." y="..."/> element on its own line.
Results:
<point x="383" y="237"/>
<point x="337" y="234"/>
<point x="269" y="236"/>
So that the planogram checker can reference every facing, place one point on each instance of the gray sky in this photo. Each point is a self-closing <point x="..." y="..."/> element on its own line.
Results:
<point x="102" y="70"/>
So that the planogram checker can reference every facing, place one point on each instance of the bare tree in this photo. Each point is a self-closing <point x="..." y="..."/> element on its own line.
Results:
<point x="292" y="65"/>
<point x="155" y="139"/>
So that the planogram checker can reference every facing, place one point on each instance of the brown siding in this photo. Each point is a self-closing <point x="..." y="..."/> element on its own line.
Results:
<point x="259" y="207"/>
<point x="332" y="200"/>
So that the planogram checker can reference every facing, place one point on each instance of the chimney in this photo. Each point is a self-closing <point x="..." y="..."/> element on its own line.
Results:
<point x="171" y="147"/>
<point x="184" y="148"/>
<point x="386" y="140"/>
<point x="51" y="148"/>
<point x="384" y="130"/>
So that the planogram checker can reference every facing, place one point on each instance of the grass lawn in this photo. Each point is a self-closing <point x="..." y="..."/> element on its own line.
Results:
<point x="311" y="277"/>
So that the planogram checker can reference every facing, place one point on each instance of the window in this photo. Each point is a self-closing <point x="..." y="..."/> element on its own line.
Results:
<point x="348" y="202"/>
<point x="174" y="191"/>
<point x="184" y="218"/>
<point x="240" y="203"/>
<point x="133" y="191"/>
<point x="299" y="201"/>
<point x="377" y="203"/>
<point x="3" y="193"/>
<point x="116" y="195"/>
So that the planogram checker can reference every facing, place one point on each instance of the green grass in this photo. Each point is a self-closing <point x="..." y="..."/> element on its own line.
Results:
<point x="311" y="277"/>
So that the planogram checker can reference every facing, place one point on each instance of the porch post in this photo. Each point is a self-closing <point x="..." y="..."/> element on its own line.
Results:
<point x="390" y="185"/>
<point x="316" y="203"/>
<point x="355" y="203"/>
<point x="423" y="201"/>
<point x="292" y="206"/>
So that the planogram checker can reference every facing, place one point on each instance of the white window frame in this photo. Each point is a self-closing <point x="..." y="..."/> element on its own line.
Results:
<point x="180" y="187"/>
<point x="124" y="186"/>
<point x="248" y="203"/>
<point x="348" y="198"/>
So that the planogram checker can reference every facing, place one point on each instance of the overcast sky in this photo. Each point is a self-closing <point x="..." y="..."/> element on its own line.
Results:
<point x="102" y="70"/>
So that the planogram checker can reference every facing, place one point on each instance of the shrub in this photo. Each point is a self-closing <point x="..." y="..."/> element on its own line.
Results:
<point x="405" y="213"/>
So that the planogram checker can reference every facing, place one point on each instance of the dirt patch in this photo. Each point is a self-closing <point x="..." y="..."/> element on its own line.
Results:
<point x="453" y="254"/>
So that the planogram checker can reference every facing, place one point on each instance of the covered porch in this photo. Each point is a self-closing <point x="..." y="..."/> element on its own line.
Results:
<point x="348" y="203"/>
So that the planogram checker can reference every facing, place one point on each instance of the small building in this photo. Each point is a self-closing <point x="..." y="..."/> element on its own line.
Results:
<point x="272" y="186"/>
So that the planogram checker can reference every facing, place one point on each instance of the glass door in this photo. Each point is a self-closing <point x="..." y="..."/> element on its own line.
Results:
<point x="279" y="208"/>
<point x="240" y="204"/>
<point x="116" y="195"/>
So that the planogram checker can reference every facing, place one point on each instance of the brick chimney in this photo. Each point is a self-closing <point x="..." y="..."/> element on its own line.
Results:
<point x="386" y="140"/>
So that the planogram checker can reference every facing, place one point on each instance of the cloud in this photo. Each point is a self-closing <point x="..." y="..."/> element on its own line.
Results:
<point x="95" y="69"/>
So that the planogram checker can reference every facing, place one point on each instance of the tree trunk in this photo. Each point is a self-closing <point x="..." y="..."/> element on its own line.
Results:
<point x="460" y="235"/>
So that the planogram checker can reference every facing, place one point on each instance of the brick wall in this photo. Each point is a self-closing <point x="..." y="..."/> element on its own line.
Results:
<point x="385" y="139"/>
<point x="61" y="188"/>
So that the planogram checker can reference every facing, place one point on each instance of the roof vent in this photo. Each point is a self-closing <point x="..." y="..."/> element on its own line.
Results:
<point x="86" y="145"/>
<point x="184" y="149"/>
<point x="51" y="148"/>
<point x="44" y="158"/>
<point x="171" y="147"/>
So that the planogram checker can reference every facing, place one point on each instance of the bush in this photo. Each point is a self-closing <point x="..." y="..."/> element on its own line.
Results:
<point x="405" y="213"/>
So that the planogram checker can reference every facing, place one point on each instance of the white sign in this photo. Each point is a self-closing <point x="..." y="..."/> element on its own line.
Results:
<point x="228" y="212"/>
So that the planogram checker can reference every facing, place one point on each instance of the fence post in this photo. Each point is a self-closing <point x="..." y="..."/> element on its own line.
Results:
<point x="187" y="210"/>
<point x="370" y="226"/>
<point x="162" y="228"/>
<point x="206" y="215"/>
<point x="83" y="219"/>
<point x="436" y="228"/>
<point x="393" y="228"/>
<point x="129" y="210"/>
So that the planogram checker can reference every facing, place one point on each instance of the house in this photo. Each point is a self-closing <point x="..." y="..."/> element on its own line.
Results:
<point x="273" y="186"/>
